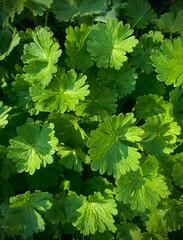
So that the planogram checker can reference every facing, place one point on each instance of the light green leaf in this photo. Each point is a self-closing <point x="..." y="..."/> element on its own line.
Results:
<point x="142" y="189"/>
<point x="128" y="231"/>
<point x="171" y="22"/>
<point x="160" y="134"/>
<point x="63" y="93"/>
<point x="168" y="62"/>
<point x="72" y="157"/>
<point x="76" y="48"/>
<point x="153" y="236"/>
<point x="22" y="216"/>
<point x="67" y="10"/>
<point x="150" y="105"/>
<point x="4" y="114"/>
<point x="110" y="148"/>
<point x="40" y="57"/>
<point x="8" y="40"/>
<point x="148" y="43"/>
<point x="177" y="171"/>
<point x="122" y="81"/>
<point x="174" y="215"/>
<point x="109" y="43"/>
<point x="38" y="7"/>
<point x="92" y="215"/>
<point x="33" y="146"/>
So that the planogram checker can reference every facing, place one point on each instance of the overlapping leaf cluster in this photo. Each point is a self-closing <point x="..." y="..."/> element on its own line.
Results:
<point x="91" y="120"/>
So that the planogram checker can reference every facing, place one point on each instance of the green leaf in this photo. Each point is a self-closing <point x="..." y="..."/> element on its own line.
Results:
<point x="38" y="7"/>
<point x="33" y="146"/>
<point x="176" y="99"/>
<point x="4" y="114"/>
<point x="40" y="57"/>
<point x="156" y="221"/>
<point x="139" y="13"/>
<point x="76" y="48"/>
<point x="8" y="41"/>
<point x="110" y="148"/>
<point x="177" y="171"/>
<point x="148" y="43"/>
<point x="168" y="62"/>
<point x="100" y="103"/>
<point x="174" y="215"/>
<point x="128" y="231"/>
<point x="122" y="81"/>
<point x="160" y="134"/>
<point x="12" y="7"/>
<point x="153" y="236"/>
<point x="72" y="133"/>
<point x="22" y="216"/>
<point x="68" y="9"/>
<point x="116" y="42"/>
<point x="150" y="105"/>
<point x="6" y="165"/>
<point x="142" y="189"/>
<point x="63" y="93"/>
<point x="72" y="158"/>
<point x="171" y="22"/>
<point x="94" y="214"/>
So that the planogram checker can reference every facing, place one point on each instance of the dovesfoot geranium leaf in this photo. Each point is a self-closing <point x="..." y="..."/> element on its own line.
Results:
<point x="121" y="81"/>
<point x="33" y="146"/>
<point x="38" y="7"/>
<point x="22" y="215"/>
<point x="144" y="188"/>
<point x="67" y="10"/>
<point x="76" y="48"/>
<point x="177" y="171"/>
<point x="110" y="148"/>
<point x="168" y="62"/>
<point x="4" y="114"/>
<point x="63" y="93"/>
<point x="109" y="43"/>
<point x="160" y="134"/>
<point x="40" y="57"/>
<point x="84" y="212"/>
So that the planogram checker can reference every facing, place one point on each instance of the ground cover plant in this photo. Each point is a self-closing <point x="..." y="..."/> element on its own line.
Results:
<point x="91" y="118"/>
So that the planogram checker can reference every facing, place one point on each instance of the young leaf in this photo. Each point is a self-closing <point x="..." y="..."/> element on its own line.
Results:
<point x="139" y="13"/>
<point x="142" y="189"/>
<point x="150" y="105"/>
<point x="122" y="81"/>
<point x="160" y="134"/>
<point x="92" y="215"/>
<point x="109" y="43"/>
<point x="4" y="114"/>
<point x="76" y="48"/>
<point x="110" y="148"/>
<point x="33" y="146"/>
<point x="22" y="216"/>
<point x="67" y="10"/>
<point x="40" y="57"/>
<point x="63" y="93"/>
<point x="171" y="22"/>
<point x="168" y="62"/>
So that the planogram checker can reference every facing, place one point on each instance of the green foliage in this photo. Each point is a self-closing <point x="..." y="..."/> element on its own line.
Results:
<point x="33" y="146"/>
<point x="22" y="216"/>
<point x="91" y="119"/>
<point x="110" y="149"/>
<point x="168" y="62"/>
<point x="116" y="41"/>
